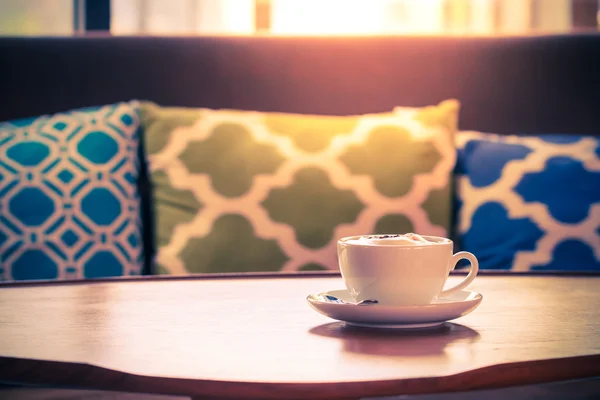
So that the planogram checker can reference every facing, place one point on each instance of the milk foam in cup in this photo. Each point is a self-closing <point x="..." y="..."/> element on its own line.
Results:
<point x="407" y="239"/>
<point x="400" y="269"/>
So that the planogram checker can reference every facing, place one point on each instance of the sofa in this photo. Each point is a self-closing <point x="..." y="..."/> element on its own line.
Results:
<point x="236" y="131"/>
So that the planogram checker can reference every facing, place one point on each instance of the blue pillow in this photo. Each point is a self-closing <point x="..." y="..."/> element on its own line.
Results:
<point x="69" y="202"/>
<point x="529" y="202"/>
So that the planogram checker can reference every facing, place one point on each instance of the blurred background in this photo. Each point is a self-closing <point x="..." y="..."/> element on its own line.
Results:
<point x="297" y="17"/>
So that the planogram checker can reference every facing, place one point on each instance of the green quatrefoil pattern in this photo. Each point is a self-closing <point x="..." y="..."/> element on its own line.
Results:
<point x="241" y="191"/>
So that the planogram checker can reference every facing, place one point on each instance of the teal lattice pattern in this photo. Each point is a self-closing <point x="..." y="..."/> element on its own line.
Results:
<point x="69" y="204"/>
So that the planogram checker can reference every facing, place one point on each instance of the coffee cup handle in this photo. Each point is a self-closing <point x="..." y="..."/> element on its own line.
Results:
<point x="465" y="282"/>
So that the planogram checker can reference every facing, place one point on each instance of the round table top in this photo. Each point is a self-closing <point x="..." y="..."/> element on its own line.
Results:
<point x="259" y="338"/>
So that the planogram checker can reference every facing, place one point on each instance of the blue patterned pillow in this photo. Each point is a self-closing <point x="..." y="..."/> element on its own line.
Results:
<point x="529" y="202"/>
<point x="69" y="202"/>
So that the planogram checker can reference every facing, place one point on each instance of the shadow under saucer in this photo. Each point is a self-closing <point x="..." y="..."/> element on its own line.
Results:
<point x="390" y="342"/>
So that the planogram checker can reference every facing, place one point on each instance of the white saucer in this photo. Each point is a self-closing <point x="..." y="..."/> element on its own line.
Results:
<point x="439" y="311"/>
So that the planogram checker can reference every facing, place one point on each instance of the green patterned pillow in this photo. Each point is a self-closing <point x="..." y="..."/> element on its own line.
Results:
<point x="241" y="191"/>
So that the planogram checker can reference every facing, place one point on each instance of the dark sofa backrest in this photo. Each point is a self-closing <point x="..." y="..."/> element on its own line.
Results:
<point x="505" y="85"/>
<point x="529" y="85"/>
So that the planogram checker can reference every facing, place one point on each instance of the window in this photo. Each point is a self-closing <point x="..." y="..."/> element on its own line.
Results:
<point x="297" y="17"/>
<point x="36" y="17"/>
<point x="180" y="17"/>
<point x="343" y="17"/>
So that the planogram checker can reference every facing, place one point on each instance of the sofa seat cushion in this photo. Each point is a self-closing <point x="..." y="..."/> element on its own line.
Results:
<point x="69" y="203"/>
<point x="241" y="191"/>
<point x="529" y="202"/>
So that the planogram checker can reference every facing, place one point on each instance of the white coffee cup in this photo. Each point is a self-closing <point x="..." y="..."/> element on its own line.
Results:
<point x="375" y="267"/>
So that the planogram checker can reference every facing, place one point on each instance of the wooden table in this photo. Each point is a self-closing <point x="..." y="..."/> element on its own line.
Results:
<point x="258" y="338"/>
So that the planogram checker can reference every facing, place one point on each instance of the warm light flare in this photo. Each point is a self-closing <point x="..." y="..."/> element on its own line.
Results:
<point x="328" y="17"/>
<point x="355" y="17"/>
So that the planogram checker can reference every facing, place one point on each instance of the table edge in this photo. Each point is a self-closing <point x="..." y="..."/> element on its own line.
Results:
<point x="87" y="376"/>
<point x="269" y="275"/>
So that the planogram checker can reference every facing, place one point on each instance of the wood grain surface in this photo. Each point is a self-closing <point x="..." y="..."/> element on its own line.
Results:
<point x="258" y="338"/>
